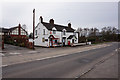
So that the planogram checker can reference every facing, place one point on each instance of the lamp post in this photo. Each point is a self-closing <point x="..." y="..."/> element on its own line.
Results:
<point x="33" y="26"/>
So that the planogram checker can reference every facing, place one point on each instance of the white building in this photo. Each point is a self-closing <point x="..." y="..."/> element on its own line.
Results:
<point x="50" y="34"/>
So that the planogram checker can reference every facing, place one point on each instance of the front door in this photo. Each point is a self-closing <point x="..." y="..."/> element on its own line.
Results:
<point x="64" y="40"/>
<point x="51" y="42"/>
<point x="68" y="42"/>
<point x="72" y="40"/>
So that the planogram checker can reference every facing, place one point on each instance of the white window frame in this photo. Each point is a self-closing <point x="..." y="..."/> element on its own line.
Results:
<point x="54" y="31"/>
<point x="43" y="31"/>
<point x="64" y="32"/>
<point x="35" y="32"/>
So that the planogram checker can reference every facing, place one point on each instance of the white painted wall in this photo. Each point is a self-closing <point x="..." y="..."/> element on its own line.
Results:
<point x="38" y="41"/>
<point x="16" y="31"/>
<point x="59" y="34"/>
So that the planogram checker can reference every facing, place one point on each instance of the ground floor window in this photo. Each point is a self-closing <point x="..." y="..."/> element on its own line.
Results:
<point x="50" y="39"/>
<point x="43" y="39"/>
<point x="55" y="41"/>
<point x="46" y="40"/>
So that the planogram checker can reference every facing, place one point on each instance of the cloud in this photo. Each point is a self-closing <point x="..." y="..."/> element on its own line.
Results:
<point x="80" y="14"/>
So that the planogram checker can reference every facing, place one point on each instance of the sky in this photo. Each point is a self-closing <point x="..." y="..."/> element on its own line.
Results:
<point x="79" y="14"/>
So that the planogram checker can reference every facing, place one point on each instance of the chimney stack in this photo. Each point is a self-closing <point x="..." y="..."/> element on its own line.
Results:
<point x="69" y="25"/>
<point x="51" y="21"/>
<point x="41" y="19"/>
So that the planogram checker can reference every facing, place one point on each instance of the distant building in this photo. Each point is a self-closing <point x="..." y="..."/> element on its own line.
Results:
<point x="14" y="31"/>
<point x="15" y="34"/>
<point x="17" y="31"/>
<point x="50" y="34"/>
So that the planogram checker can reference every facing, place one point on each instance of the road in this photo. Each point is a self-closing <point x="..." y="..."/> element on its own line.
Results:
<point x="69" y="66"/>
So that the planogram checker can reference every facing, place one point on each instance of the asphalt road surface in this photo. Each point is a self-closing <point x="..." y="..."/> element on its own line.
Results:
<point x="68" y="66"/>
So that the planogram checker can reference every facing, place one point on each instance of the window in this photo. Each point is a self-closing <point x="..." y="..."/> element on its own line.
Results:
<point x="54" y="31"/>
<point x="46" y="40"/>
<point x="35" y="32"/>
<point x="75" y="33"/>
<point x="55" y="41"/>
<point x="63" y="32"/>
<point x="15" y="32"/>
<point x="23" y="32"/>
<point x="43" y="31"/>
<point x="43" y="39"/>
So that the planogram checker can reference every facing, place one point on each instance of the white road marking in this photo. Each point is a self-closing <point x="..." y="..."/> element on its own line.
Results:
<point x="2" y="54"/>
<point x="32" y="52"/>
<point x="116" y="49"/>
<point x="3" y="66"/>
<point x="15" y="53"/>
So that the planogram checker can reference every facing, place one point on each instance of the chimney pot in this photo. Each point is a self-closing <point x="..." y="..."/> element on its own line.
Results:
<point x="51" y="21"/>
<point x="69" y="25"/>
<point x="41" y="19"/>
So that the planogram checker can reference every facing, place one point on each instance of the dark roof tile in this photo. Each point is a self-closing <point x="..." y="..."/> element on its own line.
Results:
<point x="58" y="27"/>
<point x="71" y="36"/>
<point x="4" y="30"/>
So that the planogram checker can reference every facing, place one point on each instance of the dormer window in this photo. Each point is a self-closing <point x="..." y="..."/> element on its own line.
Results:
<point x="54" y="31"/>
<point x="75" y="33"/>
<point x="64" y="33"/>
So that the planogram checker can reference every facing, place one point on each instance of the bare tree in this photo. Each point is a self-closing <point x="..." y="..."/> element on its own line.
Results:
<point x="80" y="31"/>
<point x="24" y="27"/>
<point x="94" y="31"/>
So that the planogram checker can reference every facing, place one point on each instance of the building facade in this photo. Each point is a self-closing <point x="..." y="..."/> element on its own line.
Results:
<point x="50" y="34"/>
<point x="15" y="35"/>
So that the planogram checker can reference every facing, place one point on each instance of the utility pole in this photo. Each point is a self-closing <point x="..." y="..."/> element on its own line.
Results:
<point x="33" y="26"/>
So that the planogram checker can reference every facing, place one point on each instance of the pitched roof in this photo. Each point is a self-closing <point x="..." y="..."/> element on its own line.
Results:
<point x="17" y="27"/>
<point x="10" y="29"/>
<point x="49" y="26"/>
<point x="13" y="28"/>
<point x="4" y="30"/>
<point x="71" y="36"/>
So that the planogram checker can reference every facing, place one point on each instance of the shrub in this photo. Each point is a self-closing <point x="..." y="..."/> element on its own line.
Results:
<point x="22" y="45"/>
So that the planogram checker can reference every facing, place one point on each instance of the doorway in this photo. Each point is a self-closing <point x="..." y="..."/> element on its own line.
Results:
<point x="72" y="40"/>
<point x="63" y="40"/>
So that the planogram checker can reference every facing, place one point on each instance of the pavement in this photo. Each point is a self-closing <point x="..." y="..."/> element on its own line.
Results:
<point x="67" y="63"/>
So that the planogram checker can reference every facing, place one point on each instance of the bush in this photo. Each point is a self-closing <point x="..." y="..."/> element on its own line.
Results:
<point x="22" y="45"/>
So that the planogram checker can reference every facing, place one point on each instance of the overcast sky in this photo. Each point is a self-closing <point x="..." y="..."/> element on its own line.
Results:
<point x="80" y="14"/>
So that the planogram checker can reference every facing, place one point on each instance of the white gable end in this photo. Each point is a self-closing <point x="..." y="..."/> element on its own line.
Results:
<point x="40" y="37"/>
<point x="54" y="28"/>
<point x="64" y="29"/>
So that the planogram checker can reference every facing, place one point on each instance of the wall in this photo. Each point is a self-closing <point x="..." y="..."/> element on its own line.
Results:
<point x="38" y="41"/>
<point x="59" y="34"/>
<point x="16" y="32"/>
